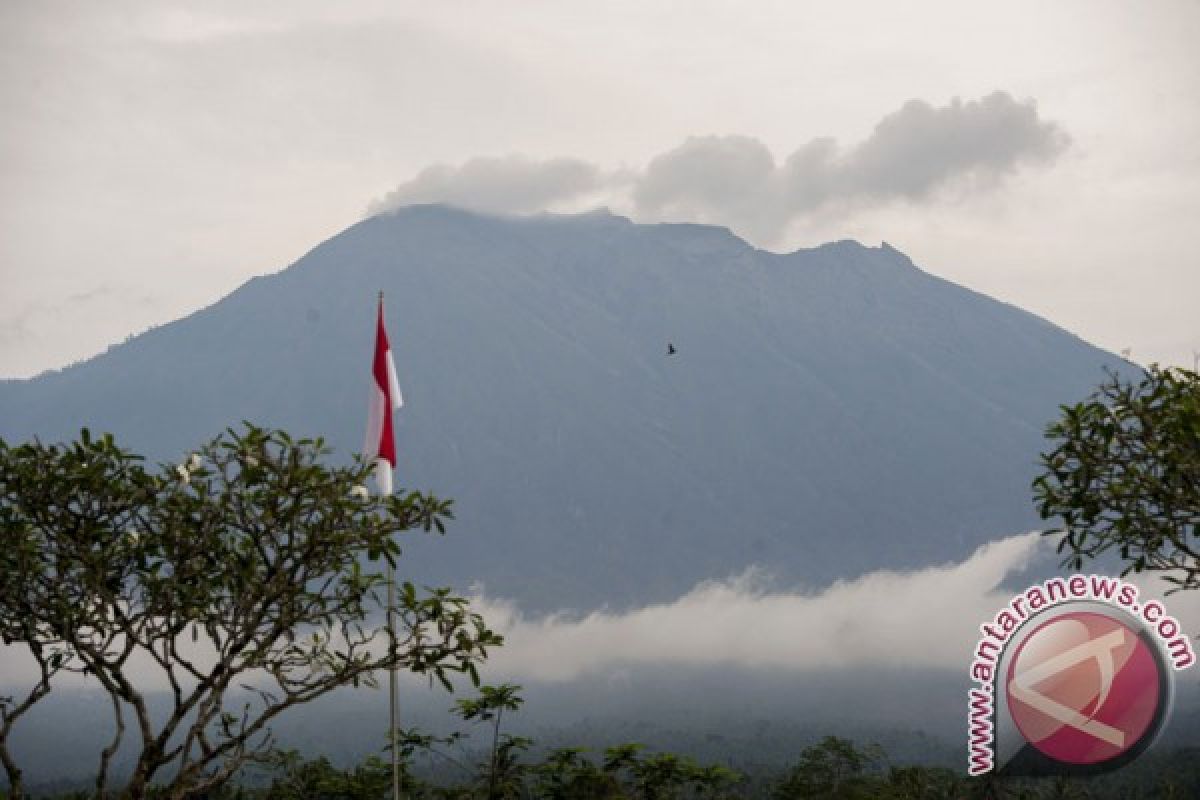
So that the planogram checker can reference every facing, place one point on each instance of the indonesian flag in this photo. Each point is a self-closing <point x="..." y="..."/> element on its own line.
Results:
<point x="380" y="444"/>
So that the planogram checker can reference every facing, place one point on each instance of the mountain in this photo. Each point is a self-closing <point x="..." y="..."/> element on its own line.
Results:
<point x="826" y="411"/>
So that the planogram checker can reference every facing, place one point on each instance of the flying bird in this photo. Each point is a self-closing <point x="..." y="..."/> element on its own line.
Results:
<point x="670" y="349"/>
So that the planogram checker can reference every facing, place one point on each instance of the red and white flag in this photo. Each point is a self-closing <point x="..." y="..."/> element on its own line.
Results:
<point x="380" y="444"/>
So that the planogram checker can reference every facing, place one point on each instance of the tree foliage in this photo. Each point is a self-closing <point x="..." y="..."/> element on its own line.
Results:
<point x="235" y="581"/>
<point x="503" y="772"/>
<point x="625" y="772"/>
<point x="834" y="768"/>
<point x="317" y="779"/>
<point x="1124" y="475"/>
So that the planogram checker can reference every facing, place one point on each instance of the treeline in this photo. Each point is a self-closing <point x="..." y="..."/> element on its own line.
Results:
<point x="482" y="761"/>
<point x="833" y="769"/>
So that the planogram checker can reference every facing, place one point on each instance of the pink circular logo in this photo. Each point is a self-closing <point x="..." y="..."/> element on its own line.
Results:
<point x="1084" y="688"/>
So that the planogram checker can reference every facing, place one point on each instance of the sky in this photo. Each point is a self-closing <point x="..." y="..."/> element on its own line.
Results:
<point x="154" y="156"/>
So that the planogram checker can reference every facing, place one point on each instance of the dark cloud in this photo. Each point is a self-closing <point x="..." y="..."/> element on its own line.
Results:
<point x="735" y="180"/>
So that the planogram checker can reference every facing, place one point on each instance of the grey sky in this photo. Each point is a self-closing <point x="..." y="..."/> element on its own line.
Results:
<point x="153" y="156"/>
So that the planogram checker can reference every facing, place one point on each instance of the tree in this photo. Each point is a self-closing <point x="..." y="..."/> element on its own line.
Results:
<point x="82" y="487"/>
<point x="920" y="782"/>
<point x="238" y="575"/>
<point x="665" y="775"/>
<point x="318" y="779"/>
<point x="1124" y="475"/>
<point x="566" y="774"/>
<point x="48" y="652"/>
<point x="626" y="772"/>
<point x="489" y="706"/>
<point x="835" y="769"/>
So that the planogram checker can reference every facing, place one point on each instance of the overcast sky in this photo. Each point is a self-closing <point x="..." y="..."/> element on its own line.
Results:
<point x="153" y="156"/>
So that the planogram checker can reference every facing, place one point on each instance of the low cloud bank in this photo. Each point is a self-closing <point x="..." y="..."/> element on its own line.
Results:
<point x="926" y="619"/>
<point x="911" y="154"/>
<point x="923" y="619"/>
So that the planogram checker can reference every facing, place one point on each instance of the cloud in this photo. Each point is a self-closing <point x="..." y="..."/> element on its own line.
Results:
<point x="911" y="155"/>
<point x="514" y="185"/>
<point x="923" y="619"/>
<point x="919" y="148"/>
<point x="730" y="180"/>
<point x="919" y="622"/>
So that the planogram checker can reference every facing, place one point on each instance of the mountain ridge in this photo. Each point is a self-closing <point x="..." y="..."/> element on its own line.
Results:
<point x="828" y="411"/>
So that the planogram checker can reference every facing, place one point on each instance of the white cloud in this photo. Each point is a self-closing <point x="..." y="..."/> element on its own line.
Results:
<point x="926" y="619"/>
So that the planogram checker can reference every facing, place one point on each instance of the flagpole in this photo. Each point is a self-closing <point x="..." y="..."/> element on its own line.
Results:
<point x="393" y="713"/>
<point x="392" y="709"/>
<point x="380" y="447"/>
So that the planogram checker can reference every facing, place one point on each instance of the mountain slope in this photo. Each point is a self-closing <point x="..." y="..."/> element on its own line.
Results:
<point x="828" y="411"/>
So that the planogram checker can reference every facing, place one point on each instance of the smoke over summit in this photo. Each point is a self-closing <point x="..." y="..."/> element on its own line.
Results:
<point x="911" y="155"/>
